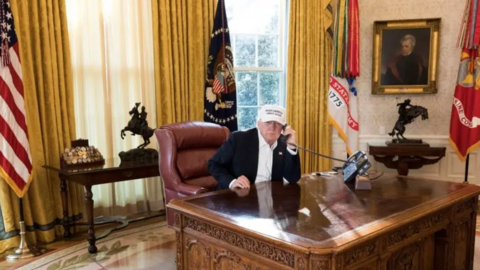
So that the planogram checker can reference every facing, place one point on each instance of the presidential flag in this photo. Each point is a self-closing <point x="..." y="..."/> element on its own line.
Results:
<point x="220" y="102"/>
<point x="15" y="159"/>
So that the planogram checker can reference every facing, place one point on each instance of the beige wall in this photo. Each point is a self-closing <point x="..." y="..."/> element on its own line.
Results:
<point x="438" y="105"/>
<point x="377" y="112"/>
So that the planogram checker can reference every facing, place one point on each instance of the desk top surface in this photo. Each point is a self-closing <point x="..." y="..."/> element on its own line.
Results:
<point x="323" y="212"/>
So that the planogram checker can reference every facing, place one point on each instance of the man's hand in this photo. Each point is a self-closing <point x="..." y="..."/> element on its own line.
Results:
<point x="241" y="182"/>
<point x="291" y="139"/>
<point x="242" y="192"/>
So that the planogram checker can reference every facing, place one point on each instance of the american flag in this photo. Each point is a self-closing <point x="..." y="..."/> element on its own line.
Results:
<point x="218" y="85"/>
<point x="15" y="159"/>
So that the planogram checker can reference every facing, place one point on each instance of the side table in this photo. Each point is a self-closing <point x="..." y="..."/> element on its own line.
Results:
<point x="111" y="172"/>
<point x="406" y="156"/>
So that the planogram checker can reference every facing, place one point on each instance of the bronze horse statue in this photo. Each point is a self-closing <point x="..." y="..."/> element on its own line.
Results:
<point x="138" y="125"/>
<point x="407" y="116"/>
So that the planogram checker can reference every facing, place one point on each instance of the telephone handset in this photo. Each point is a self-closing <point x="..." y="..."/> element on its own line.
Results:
<point x="357" y="164"/>
<point x="284" y="138"/>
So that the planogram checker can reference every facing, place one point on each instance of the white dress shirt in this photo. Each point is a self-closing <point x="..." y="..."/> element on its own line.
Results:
<point x="265" y="160"/>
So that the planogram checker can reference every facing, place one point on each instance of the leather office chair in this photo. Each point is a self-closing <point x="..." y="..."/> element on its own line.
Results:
<point x="184" y="149"/>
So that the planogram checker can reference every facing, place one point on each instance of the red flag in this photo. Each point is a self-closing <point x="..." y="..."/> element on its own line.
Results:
<point x="353" y="40"/>
<point x="465" y="119"/>
<point x="15" y="159"/>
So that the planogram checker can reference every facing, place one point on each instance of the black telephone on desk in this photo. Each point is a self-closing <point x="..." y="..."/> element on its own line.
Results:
<point x="356" y="164"/>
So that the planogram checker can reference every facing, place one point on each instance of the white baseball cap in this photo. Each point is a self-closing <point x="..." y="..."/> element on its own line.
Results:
<point x="272" y="113"/>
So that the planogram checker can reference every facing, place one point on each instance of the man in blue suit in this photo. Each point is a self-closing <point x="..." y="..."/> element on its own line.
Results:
<point x="264" y="153"/>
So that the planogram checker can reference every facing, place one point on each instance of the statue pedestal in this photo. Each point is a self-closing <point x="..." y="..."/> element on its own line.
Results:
<point x="406" y="156"/>
<point x="406" y="142"/>
<point x="138" y="154"/>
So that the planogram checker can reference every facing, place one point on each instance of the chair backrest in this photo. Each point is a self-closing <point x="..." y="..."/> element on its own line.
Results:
<point x="185" y="149"/>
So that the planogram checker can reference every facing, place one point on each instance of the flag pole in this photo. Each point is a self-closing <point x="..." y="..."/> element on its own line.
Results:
<point x="466" y="169"/>
<point x="25" y="250"/>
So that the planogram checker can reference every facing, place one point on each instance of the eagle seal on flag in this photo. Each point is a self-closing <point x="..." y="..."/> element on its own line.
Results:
<point x="220" y="90"/>
<point x="223" y="79"/>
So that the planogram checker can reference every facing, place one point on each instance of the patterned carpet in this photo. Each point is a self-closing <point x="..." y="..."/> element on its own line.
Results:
<point x="145" y="247"/>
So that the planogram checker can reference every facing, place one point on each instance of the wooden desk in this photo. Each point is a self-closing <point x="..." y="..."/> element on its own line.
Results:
<point x="320" y="224"/>
<point x="404" y="157"/>
<point x="113" y="171"/>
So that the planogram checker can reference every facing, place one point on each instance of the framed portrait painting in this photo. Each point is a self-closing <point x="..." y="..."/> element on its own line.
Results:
<point x="405" y="56"/>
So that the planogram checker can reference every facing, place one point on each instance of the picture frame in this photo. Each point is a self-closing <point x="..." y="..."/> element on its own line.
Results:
<point x="405" y="56"/>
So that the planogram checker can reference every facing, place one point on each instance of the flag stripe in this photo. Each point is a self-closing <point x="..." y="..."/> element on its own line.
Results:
<point x="10" y="119"/>
<point x="346" y="52"/>
<point x="10" y="138"/>
<point x="11" y="172"/>
<point x="474" y="21"/>
<point x="7" y="96"/>
<point x="462" y="28"/>
<point x="13" y="162"/>
<point x="469" y="26"/>
<point x="7" y="79"/>
<point x="15" y="59"/>
<point x="17" y="81"/>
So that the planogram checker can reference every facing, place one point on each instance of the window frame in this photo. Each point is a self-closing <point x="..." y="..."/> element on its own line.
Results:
<point x="282" y="58"/>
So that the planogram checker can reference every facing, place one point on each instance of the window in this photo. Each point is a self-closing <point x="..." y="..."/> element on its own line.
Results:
<point x="258" y="38"/>
<point x="111" y="45"/>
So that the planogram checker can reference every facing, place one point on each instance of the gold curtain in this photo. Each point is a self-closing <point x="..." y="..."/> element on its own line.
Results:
<point x="41" y="28"/>
<point x="308" y="72"/>
<point x="181" y="35"/>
